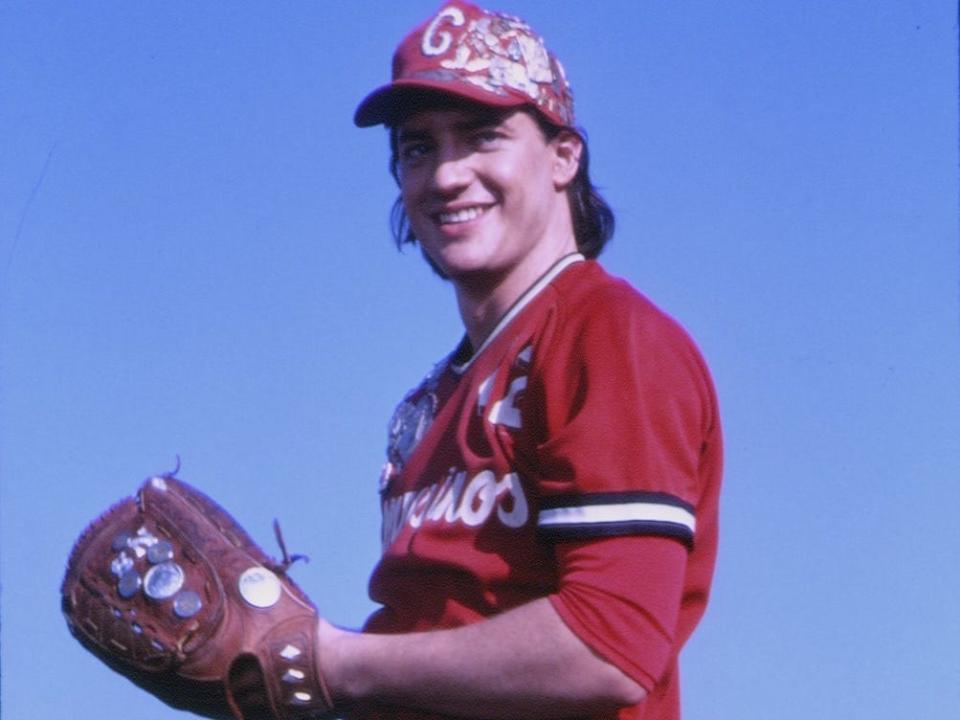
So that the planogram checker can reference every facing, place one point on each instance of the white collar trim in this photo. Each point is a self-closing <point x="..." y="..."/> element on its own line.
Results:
<point x="521" y="302"/>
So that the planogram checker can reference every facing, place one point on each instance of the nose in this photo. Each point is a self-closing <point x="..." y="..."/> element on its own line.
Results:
<point x="452" y="172"/>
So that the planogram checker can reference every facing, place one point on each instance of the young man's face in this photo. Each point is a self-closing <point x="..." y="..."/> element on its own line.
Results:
<point x="484" y="191"/>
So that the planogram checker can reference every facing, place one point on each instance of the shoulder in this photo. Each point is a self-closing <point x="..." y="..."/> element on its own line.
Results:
<point x="593" y="308"/>
<point x="606" y="338"/>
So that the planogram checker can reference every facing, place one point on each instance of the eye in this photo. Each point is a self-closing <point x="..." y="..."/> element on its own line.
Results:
<point x="413" y="150"/>
<point x="487" y="136"/>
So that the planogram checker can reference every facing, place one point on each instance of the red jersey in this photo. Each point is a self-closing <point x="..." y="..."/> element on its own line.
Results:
<point x="576" y="455"/>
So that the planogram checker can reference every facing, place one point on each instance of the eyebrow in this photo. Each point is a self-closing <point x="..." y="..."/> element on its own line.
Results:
<point x="474" y="121"/>
<point x="481" y="120"/>
<point x="408" y="135"/>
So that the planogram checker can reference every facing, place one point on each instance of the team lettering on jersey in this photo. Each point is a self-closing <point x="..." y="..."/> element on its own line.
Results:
<point x="470" y="502"/>
<point x="459" y="499"/>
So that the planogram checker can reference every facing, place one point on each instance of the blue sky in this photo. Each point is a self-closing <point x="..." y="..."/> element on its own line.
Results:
<point x="195" y="261"/>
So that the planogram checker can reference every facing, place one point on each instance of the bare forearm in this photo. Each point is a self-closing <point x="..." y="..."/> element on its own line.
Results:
<point x="524" y="663"/>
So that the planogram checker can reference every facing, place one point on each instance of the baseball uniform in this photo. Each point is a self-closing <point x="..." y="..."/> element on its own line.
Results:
<point x="575" y="455"/>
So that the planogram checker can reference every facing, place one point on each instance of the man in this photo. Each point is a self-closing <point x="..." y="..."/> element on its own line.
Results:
<point x="550" y="492"/>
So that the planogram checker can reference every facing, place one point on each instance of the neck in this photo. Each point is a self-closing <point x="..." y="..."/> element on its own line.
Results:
<point x="480" y="315"/>
<point x="483" y="301"/>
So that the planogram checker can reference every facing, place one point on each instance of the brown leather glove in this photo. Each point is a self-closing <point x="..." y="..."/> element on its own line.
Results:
<point x="168" y="590"/>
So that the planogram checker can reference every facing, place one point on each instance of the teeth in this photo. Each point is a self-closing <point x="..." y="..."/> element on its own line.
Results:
<point x="464" y="215"/>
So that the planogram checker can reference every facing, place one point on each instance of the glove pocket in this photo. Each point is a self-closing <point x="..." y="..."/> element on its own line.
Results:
<point x="139" y="590"/>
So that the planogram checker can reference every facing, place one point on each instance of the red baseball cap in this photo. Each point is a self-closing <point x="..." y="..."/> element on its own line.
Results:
<point x="474" y="54"/>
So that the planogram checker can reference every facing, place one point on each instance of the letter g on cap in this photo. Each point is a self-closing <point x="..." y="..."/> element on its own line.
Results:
<point x="430" y="45"/>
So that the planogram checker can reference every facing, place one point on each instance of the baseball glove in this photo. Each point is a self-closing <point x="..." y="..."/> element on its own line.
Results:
<point x="167" y="589"/>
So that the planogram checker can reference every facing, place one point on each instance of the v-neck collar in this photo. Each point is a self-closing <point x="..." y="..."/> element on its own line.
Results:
<point x="514" y="310"/>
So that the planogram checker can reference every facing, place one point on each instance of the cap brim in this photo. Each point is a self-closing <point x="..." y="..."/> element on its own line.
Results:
<point x="389" y="104"/>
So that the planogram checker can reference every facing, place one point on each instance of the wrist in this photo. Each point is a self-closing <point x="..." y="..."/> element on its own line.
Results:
<point x="330" y="645"/>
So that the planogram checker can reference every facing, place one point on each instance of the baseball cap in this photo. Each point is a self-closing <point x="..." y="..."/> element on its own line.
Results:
<point x="477" y="55"/>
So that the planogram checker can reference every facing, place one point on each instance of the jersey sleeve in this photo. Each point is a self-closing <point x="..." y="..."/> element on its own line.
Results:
<point x="625" y="407"/>
<point x="627" y="412"/>
<point x="621" y="596"/>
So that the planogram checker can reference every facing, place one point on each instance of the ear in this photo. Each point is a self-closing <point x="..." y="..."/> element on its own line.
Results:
<point x="567" y="149"/>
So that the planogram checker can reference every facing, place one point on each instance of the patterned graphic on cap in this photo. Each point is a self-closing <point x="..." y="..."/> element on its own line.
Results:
<point x="495" y="52"/>
<point x="481" y="56"/>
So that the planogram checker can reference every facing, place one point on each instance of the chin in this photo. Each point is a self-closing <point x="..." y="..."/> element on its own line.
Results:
<point x="479" y="278"/>
<point x="456" y="261"/>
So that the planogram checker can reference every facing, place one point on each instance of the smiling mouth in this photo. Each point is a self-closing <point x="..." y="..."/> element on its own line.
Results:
<point x="461" y="216"/>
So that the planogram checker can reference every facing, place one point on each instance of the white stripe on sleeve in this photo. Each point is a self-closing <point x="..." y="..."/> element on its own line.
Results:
<point x="599" y="515"/>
